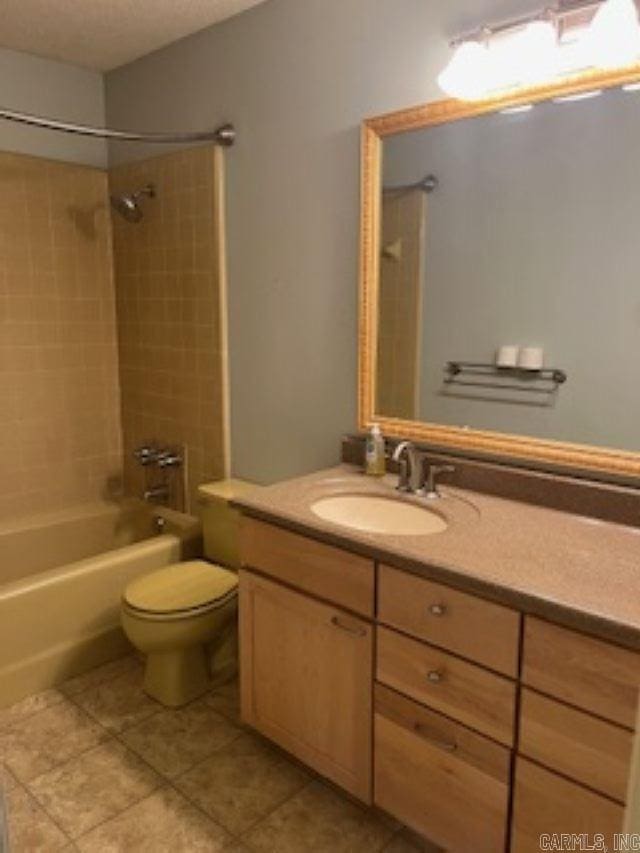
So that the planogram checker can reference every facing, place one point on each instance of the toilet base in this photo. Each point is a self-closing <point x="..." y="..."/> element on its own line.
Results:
<point x="175" y="678"/>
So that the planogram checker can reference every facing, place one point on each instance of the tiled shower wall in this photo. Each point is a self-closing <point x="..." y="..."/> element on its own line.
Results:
<point x="59" y="398"/>
<point x="172" y="338"/>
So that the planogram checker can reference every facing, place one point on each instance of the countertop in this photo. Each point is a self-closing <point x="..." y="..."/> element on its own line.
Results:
<point x="576" y="571"/>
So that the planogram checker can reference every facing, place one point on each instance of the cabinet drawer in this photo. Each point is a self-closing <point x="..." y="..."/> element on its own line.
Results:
<point x="575" y="744"/>
<point x="581" y="670"/>
<point x="327" y="572"/>
<point x="547" y="804"/>
<point x="444" y="781"/>
<point x="485" y="632"/>
<point x="461" y="690"/>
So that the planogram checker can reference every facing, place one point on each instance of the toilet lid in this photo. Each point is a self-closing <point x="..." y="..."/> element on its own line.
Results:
<point x="181" y="586"/>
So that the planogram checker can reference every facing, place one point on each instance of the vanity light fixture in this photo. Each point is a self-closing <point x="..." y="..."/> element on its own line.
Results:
<point x="468" y="75"/>
<point x="613" y="38"/>
<point x="573" y="37"/>
<point x="526" y="57"/>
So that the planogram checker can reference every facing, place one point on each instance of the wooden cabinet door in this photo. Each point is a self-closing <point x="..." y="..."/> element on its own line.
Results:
<point x="306" y="680"/>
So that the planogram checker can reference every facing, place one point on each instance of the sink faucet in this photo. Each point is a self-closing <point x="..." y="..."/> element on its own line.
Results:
<point x="417" y="476"/>
<point x="410" y="461"/>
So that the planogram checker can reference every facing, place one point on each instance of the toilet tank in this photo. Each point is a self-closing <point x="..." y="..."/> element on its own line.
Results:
<point x="220" y="522"/>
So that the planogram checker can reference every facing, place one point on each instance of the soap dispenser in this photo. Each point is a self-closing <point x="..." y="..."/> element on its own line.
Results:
<point x="375" y="454"/>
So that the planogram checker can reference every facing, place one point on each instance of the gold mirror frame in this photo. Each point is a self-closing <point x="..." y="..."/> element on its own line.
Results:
<point x="542" y="452"/>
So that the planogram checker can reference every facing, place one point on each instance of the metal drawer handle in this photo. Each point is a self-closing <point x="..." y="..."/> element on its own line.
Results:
<point x="445" y="745"/>
<point x="355" y="632"/>
<point x="435" y="676"/>
<point x="437" y="609"/>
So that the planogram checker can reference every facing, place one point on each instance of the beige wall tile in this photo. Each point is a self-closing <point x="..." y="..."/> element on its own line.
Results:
<point x="168" y="303"/>
<point x="62" y="417"/>
<point x="60" y="441"/>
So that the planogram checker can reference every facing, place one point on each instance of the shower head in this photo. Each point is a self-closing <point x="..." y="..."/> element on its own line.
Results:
<point x="128" y="204"/>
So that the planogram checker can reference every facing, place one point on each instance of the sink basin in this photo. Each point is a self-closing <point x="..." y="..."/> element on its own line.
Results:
<point x="379" y="515"/>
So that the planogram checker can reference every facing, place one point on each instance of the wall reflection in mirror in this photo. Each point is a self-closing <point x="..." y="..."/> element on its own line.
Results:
<point x="515" y="238"/>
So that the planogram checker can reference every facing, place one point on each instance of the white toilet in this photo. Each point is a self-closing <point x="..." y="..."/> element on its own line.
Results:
<point x="183" y="617"/>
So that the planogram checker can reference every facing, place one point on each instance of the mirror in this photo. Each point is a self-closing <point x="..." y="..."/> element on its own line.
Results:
<point x="501" y="267"/>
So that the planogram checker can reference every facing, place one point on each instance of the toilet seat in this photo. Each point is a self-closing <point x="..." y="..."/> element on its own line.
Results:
<point x="181" y="590"/>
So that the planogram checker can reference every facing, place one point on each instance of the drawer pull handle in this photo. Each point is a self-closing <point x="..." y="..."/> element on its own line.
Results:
<point x="435" y="676"/>
<point x="437" y="609"/>
<point x="355" y="632"/>
<point x="439" y="743"/>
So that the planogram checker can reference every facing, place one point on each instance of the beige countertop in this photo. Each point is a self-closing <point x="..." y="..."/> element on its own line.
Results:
<point x="577" y="571"/>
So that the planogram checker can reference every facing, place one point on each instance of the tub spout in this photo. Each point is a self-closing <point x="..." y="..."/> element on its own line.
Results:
<point x="156" y="494"/>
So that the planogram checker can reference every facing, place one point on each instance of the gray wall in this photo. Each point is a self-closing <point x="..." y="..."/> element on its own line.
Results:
<point x="54" y="90"/>
<point x="532" y="238"/>
<point x="297" y="77"/>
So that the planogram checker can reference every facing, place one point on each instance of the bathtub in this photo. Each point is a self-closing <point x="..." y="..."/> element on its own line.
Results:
<point x="61" y="578"/>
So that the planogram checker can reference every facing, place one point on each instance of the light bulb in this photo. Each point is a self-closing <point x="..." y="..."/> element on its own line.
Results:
<point x="613" y="38"/>
<point x="528" y="56"/>
<point x="539" y="53"/>
<point x="468" y="74"/>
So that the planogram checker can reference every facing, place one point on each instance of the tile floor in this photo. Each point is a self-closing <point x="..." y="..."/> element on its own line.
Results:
<point x="98" y="766"/>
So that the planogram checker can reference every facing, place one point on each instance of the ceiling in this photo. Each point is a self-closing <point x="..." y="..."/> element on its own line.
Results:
<point x="103" y="34"/>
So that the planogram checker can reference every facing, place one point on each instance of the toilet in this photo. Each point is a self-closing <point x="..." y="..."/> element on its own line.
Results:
<point x="183" y="617"/>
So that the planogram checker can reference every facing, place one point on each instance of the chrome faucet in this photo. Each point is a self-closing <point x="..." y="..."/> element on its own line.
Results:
<point x="410" y="461"/>
<point x="417" y="475"/>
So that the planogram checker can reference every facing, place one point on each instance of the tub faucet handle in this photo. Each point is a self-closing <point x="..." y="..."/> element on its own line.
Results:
<point x="145" y="455"/>
<point x="168" y="459"/>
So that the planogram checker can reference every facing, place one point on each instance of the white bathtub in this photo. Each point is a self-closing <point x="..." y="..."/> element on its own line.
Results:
<point x="61" y="578"/>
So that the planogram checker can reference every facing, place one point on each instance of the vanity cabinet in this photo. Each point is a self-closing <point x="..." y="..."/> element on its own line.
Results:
<point x="478" y="727"/>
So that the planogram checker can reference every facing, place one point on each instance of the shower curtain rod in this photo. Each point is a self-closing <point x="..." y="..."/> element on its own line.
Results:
<point x="224" y="135"/>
